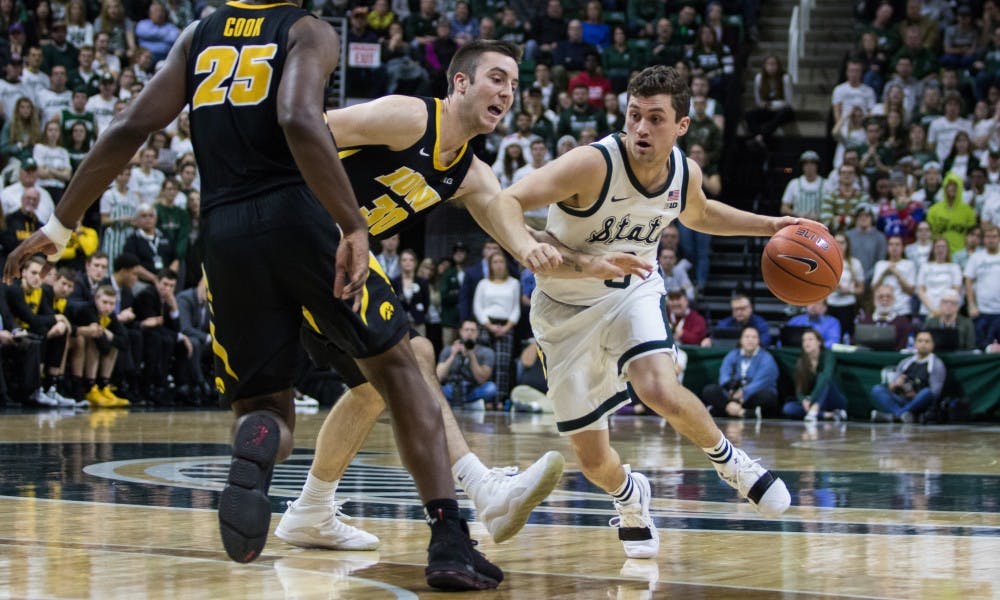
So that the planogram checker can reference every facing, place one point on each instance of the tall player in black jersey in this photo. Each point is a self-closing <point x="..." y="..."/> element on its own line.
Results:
<point x="406" y="156"/>
<point x="283" y="234"/>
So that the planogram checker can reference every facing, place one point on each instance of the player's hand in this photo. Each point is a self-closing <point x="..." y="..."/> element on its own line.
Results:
<point x="352" y="266"/>
<point x="37" y="243"/>
<point x="779" y="223"/>
<point x="615" y="265"/>
<point x="542" y="258"/>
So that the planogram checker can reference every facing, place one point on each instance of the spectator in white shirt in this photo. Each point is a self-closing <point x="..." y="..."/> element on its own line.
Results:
<point x="898" y="273"/>
<point x="804" y="194"/>
<point x="27" y="177"/>
<point x="534" y="218"/>
<point x="103" y="104"/>
<point x="32" y="75"/>
<point x="497" y="306"/>
<point x="146" y="181"/>
<point x="54" y="169"/>
<point x="982" y="286"/>
<point x="852" y="92"/>
<point x="942" y="131"/>
<point x="51" y="102"/>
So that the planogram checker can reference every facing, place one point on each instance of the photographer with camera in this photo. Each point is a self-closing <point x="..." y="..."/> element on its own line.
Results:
<point x="915" y="384"/>
<point x="464" y="370"/>
<point x="748" y="381"/>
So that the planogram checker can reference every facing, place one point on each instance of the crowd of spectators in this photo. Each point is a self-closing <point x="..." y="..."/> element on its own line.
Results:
<point x="914" y="193"/>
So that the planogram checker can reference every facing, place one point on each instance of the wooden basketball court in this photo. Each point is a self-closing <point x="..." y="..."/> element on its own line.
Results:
<point x="116" y="504"/>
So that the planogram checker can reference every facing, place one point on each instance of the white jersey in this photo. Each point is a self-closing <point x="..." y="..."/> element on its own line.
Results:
<point x="624" y="218"/>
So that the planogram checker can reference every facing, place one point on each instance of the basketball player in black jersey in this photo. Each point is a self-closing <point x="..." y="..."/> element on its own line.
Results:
<point x="406" y="156"/>
<point x="283" y="234"/>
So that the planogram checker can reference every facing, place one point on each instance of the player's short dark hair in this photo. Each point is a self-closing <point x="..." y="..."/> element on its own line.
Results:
<point x="66" y="273"/>
<point x="659" y="79"/>
<point x="96" y="255"/>
<point x="467" y="58"/>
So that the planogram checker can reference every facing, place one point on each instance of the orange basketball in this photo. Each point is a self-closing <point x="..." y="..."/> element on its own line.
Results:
<point x="802" y="264"/>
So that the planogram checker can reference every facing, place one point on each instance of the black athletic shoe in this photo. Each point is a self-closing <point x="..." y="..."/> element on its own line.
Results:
<point x="244" y="509"/>
<point x="453" y="563"/>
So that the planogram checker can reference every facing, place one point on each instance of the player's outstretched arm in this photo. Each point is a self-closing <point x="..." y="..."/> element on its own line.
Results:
<point x="393" y="121"/>
<point x="314" y="50"/>
<point x="502" y="218"/>
<point x="717" y="218"/>
<point x="154" y="108"/>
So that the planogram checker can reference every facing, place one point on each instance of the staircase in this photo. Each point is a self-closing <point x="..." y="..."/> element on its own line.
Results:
<point x="735" y="262"/>
<point x="830" y="37"/>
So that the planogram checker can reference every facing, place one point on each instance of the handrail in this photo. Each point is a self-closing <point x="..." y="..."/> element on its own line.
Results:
<point x="794" y="52"/>
<point x="798" y="27"/>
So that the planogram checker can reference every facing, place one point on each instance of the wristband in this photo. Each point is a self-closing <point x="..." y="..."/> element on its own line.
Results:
<point x="59" y="234"/>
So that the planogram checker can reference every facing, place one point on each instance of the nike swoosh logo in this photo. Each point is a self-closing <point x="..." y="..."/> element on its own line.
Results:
<point x="423" y="152"/>
<point x="812" y="264"/>
<point x="613" y="199"/>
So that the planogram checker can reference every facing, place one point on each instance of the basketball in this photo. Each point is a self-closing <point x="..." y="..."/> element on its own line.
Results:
<point x="802" y="264"/>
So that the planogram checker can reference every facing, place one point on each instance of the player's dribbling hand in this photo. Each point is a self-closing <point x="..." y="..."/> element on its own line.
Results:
<point x="542" y="258"/>
<point x="37" y="243"/>
<point x="352" y="266"/>
<point x="780" y="223"/>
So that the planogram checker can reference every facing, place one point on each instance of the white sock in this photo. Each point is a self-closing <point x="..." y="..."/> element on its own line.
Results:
<point x="468" y="469"/>
<point x="317" y="492"/>
<point x="627" y="492"/>
<point x="721" y="453"/>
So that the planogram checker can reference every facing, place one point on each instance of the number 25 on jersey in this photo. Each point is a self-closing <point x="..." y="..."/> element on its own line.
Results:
<point x="241" y="76"/>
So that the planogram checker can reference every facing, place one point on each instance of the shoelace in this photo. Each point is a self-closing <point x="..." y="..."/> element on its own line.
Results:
<point x="337" y="504"/>
<point x="505" y="471"/>
<point x="742" y="469"/>
<point x="629" y="514"/>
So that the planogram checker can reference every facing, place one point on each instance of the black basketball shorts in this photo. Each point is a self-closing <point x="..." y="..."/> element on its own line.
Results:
<point x="270" y="261"/>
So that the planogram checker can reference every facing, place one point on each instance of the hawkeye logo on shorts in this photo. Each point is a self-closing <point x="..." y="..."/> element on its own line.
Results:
<point x="613" y="230"/>
<point x="385" y="311"/>
<point x="411" y="188"/>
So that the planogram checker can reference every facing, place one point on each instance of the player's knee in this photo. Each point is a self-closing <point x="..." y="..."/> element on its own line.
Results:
<point x="423" y="349"/>
<point x="658" y="394"/>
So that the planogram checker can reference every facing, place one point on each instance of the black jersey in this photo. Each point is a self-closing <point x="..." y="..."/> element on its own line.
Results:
<point x="393" y="187"/>
<point x="235" y="64"/>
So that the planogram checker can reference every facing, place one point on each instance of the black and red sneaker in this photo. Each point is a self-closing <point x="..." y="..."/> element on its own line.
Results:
<point x="244" y="509"/>
<point x="453" y="563"/>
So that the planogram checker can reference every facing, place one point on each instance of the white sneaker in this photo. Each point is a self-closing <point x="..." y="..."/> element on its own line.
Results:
<point x="505" y="498"/>
<point x="319" y="527"/>
<point x="635" y="525"/>
<point x="763" y="489"/>
<point x="44" y="399"/>
<point x="306" y="401"/>
<point x="62" y="400"/>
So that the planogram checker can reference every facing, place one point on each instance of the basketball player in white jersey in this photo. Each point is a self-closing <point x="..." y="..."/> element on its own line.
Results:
<point x="617" y="195"/>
